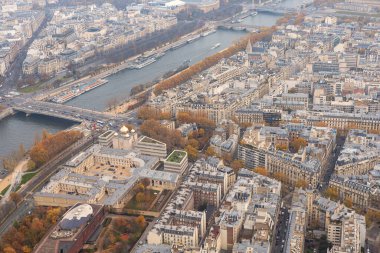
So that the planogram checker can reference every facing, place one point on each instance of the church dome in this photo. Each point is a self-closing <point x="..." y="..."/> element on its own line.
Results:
<point x="124" y="129"/>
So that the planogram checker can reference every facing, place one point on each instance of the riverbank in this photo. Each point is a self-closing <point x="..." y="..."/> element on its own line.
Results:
<point x="8" y="183"/>
<point x="188" y="73"/>
<point x="6" y="112"/>
<point x="115" y="68"/>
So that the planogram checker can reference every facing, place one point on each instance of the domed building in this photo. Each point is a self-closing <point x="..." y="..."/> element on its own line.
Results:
<point x="124" y="139"/>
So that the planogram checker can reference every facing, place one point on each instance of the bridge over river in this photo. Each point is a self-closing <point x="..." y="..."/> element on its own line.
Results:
<point x="30" y="106"/>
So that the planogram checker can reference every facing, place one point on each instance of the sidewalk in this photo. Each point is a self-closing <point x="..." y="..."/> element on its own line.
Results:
<point x="13" y="178"/>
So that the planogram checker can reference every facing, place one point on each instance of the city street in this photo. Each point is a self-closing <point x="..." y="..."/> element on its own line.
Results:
<point x="280" y="236"/>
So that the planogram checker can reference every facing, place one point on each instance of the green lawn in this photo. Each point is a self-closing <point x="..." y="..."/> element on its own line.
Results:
<point x="25" y="178"/>
<point x="30" y="89"/>
<point x="5" y="190"/>
<point x="176" y="156"/>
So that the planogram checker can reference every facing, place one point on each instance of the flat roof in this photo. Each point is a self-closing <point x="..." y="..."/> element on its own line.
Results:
<point x="176" y="156"/>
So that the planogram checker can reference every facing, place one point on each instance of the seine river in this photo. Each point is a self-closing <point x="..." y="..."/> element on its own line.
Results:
<point x="20" y="129"/>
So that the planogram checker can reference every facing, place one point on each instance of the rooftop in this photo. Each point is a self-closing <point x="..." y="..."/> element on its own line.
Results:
<point x="176" y="156"/>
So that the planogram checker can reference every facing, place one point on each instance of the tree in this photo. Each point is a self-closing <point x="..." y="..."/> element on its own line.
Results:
<point x="26" y="249"/>
<point x="281" y="147"/>
<point x="15" y="197"/>
<point x="31" y="165"/>
<point x="297" y="143"/>
<point x="348" y="202"/>
<point x="299" y="19"/>
<point x="192" y="153"/>
<point x="261" y="170"/>
<point x="194" y="143"/>
<point x="210" y="151"/>
<point x="139" y="187"/>
<point x="331" y="193"/>
<point x="145" y="182"/>
<point x="147" y="112"/>
<point x="51" y="144"/>
<point x="301" y="183"/>
<point x="53" y="215"/>
<point x="45" y="134"/>
<point x="280" y="177"/>
<point x="112" y="103"/>
<point x="372" y="216"/>
<point x="236" y="165"/>
<point x="9" y="249"/>
<point x="37" y="225"/>
<point x="165" y="115"/>
<point x="21" y="150"/>
<point x="172" y="138"/>
<point x="140" y="197"/>
<point x="140" y="220"/>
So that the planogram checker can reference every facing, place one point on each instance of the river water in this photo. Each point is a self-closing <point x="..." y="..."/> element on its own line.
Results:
<point x="20" y="129"/>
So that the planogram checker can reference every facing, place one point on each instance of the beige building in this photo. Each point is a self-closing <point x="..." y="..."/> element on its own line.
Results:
<point x="176" y="162"/>
<point x="105" y="176"/>
<point x="230" y="224"/>
<point x="149" y="146"/>
<point x="125" y="139"/>
<point x="105" y="139"/>
<point x="293" y="170"/>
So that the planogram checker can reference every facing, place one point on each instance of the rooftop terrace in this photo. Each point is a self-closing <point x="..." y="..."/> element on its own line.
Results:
<point x="176" y="156"/>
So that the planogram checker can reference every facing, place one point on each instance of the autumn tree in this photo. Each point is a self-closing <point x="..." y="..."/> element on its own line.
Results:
<point x="139" y="188"/>
<point x="372" y="216"/>
<point x="9" y="249"/>
<point x="301" y="183"/>
<point x="261" y="170"/>
<point x="297" y="143"/>
<point x="21" y="150"/>
<point x="53" y="214"/>
<point x="10" y="161"/>
<point x="201" y="120"/>
<point x="348" y="202"/>
<point x="140" y="197"/>
<point x="227" y="159"/>
<point x="194" y="143"/>
<point x="15" y="197"/>
<point x="51" y="144"/>
<point x="237" y="165"/>
<point x="299" y="19"/>
<point x="147" y="112"/>
<point x="280" y="177"/>
<point x="29" y="230"/>
<point x="172" y="138"/>
<point x="145" y="182"/>
<point x="210" y="151"/>
<point x="192" y="153"/>
<point x="281" y="147"/>
<point x="31" y="165"/>
<point x="26" y="249"/>
<point x="331" y="193"/>
<point x="140" y="220"/>
<point x="209" y="61"/>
